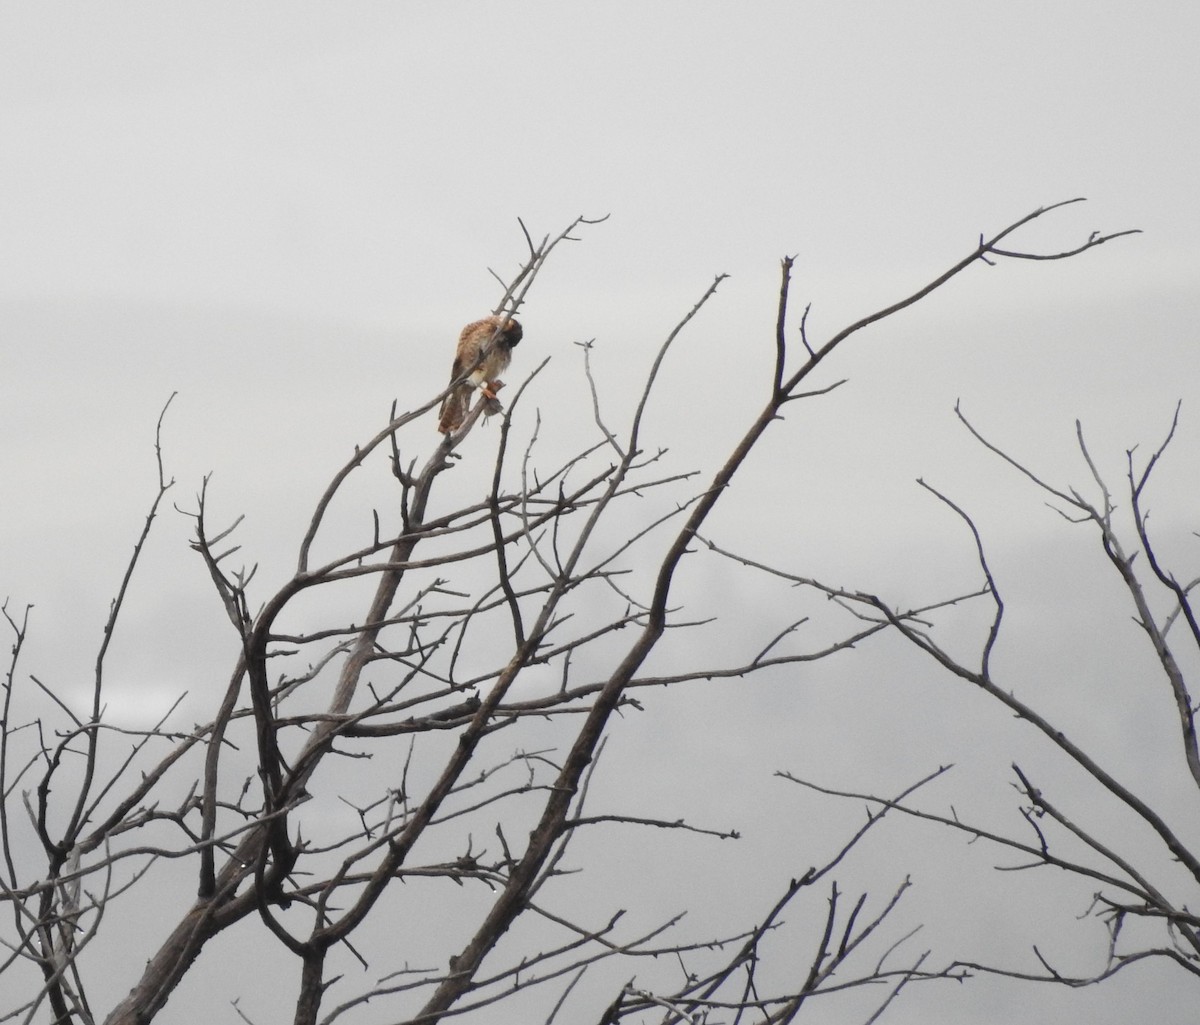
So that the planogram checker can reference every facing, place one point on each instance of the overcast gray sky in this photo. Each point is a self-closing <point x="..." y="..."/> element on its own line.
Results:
<point x="285" y="212"/>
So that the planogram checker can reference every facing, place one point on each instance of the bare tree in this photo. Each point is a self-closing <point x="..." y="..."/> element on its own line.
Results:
<point x="558" y="573"/>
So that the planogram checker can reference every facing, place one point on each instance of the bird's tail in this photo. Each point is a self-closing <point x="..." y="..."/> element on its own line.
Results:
<point x="454" y="410"/>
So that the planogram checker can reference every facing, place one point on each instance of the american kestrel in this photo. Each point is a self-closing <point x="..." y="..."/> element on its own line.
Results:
<point x="485" y="349"/>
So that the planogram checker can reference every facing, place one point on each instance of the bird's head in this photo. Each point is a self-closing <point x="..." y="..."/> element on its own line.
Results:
<point x="512" y="333"/>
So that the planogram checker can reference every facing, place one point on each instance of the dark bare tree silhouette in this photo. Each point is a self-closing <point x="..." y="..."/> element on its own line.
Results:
<point x="543" y="577"/>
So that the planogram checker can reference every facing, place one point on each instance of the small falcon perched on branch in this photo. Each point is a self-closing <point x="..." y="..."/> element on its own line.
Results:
<point x="484" y="351"/>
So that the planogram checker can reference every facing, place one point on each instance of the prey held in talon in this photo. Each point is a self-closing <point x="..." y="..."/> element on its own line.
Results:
<point x="485" y="350"/>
